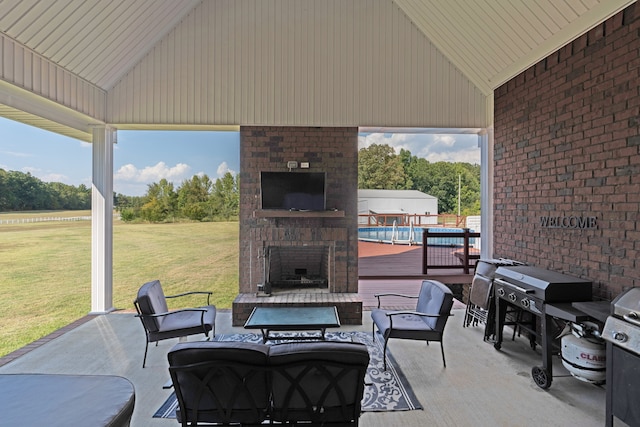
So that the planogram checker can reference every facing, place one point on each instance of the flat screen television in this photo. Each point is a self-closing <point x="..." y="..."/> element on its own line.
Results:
<point x="302" y="191"/>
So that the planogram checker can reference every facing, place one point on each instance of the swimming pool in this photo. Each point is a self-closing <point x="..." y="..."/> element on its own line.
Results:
<point x="404" y="236"/>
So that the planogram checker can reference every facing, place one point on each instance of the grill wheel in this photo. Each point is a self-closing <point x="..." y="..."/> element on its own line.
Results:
<point x="541" y="377"/>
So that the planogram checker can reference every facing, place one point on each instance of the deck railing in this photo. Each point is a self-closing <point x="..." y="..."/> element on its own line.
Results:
<point x="451" y="252"/>
<point x="405" y="220"/>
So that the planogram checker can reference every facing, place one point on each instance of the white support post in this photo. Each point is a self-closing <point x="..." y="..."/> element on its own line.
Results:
<point x="102" y="220"/>
<point x="486" y="192"/>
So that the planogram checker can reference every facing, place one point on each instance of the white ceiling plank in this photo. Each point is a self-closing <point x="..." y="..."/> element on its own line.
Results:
<point x="121" y="34"/>
<point x="557" y="11"/>
<point x="62" y="37"/>
<point x="101" y="40"/>
<point x="543" y="20"/>
<point x="16" y="15"/>
<point x="565" y="9"/>
<point x="86" y="37"/>
<point x="38" y="24"/>
<point x="518" y="17"/>
<point x="135" y="45"/>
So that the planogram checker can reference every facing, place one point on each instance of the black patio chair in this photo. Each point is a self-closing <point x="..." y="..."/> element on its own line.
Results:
<point x="318" y="383"/>
<point x="427" y="322"/>
<point x="220" y="382"/>
<point x="160" y="324"/>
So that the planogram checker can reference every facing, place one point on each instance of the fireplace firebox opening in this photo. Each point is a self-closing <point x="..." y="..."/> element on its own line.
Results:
<point x="297" y="267"/>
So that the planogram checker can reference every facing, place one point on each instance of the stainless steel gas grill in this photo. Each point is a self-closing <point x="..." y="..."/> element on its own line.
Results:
<point x="539" y="294"/>
<point x="622" y="334"/>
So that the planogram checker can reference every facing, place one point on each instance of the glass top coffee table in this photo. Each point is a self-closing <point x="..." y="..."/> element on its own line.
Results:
<point x="269" y="319"/>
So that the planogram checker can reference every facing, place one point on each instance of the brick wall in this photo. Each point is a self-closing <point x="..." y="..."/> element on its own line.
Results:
<point x="567" y="145"/>
<point x="330" y="150"/>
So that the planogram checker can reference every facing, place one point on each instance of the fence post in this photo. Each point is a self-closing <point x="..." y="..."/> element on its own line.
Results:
<point x="466" y="250"/>
<point x="424" y="250"/>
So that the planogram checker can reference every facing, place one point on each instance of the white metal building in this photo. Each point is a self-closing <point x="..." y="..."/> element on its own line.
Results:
<point x="396" y="203"/>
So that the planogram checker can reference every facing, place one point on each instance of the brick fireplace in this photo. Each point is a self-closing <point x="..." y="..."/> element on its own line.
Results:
<point x="299" y="257"/>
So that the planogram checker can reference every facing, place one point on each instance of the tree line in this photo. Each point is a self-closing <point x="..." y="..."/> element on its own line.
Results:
<point x="196" y="199"/>
<point x="379" y="167"/>
<point x="201" y="199"/>
<point x="24" y="192"/>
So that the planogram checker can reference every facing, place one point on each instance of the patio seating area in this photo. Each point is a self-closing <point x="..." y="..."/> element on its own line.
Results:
<point x="480" y="386"/>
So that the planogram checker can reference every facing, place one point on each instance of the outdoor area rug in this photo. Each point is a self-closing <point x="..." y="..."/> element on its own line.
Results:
<point x="384" y="391"/>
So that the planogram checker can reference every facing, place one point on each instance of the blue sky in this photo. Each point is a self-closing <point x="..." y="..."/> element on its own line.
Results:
<point x="141" y="158"/>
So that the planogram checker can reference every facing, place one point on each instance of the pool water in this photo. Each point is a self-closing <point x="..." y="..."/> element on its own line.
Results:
<point x="385" y="235"/>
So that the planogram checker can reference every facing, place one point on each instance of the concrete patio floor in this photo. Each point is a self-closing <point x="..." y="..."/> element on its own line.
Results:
<point x="480" y="386"/>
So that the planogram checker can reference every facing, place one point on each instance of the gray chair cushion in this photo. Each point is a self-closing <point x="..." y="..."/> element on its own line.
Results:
<point x="408" y="322"/>
<point x="183" y="323"/>
<point x="435" y="298"/>
<point x="152" y="301"/>
<point x="431" y="301"/>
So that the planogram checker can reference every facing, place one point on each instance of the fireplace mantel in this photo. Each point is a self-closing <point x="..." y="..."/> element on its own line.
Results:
<point x="280" y="213"/>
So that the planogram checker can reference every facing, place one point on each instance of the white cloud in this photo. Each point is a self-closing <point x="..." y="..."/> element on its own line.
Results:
<point x="56" y="177"/>
<point x="46" y="176"/>
<point x="432" y="147"/>
<point x="444" y="140"/>
<point x="132" y="181"/>
<point x="151" y="174"/>
<point x="127" y="172"/>
<point x="33" y="171"/>
<point x="223" y="168"/>
<point x="396" y="140"/>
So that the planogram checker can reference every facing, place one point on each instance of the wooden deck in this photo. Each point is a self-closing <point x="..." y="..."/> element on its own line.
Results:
<point x="367" y="289"/>
<point x="397" y="268"/>
<point x="382" y="261"/>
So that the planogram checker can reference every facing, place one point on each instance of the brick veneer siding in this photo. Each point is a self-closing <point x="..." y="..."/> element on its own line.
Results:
<point x="330" y="150"/>
<point x="567" y="143"/>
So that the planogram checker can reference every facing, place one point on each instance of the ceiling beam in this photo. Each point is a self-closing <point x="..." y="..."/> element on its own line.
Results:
<point x="28" y="102"/>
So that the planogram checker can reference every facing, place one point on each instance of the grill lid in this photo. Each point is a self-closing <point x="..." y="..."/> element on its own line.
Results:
<point x="627" y="303"/>
<point x="536" y="277"/>
<point x="548" y="285"/>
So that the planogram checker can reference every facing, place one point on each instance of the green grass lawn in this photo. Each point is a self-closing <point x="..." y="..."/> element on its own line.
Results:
<point x="45" y="270"/>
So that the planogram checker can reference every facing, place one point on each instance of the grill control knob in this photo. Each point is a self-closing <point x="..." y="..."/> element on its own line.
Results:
<point x="525" y="303"/>
<point x="632" y="318"/>
<point x="501" y="292"/>
<point x="512" y="297"/>
<point x="620" y="336"/>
